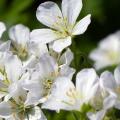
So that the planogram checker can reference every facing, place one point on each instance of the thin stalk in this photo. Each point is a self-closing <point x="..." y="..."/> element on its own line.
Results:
<point x="27" y="116"/>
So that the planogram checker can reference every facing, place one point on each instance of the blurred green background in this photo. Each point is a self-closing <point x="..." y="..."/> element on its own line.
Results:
<point x="105" y="20"/>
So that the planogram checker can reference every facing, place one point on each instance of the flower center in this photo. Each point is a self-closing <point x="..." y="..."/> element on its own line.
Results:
<point x="19" y="109"/>
<point x="72" y="95"/>
<point x="64" y="28"/>
<point x="20" y="51"/>
<point x="113" y="56"/>
<point x="47" y="84"/>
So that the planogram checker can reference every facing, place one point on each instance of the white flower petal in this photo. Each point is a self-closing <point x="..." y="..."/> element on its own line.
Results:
<point x="47" y="68"/>
<point x="43" y="36"/>
<point x="67" y="71"/>
<point x="2" y="28"/>
<point x="36" y="114"/>
<point x="19" y="34"/>
<point x="60" y="44"/>
<point x="35" y="93"/>
<point x="59" y="99"/>
<point x="15" y="90"/>
<point x="33" y="97"/>
<point x="47" y="65"/>
<point x="5" y="110"/>
<point x="82" y="25"/>
<point x="100" y="58"/>
<point x="96" y="116"/>
<point x="86" y="81"/>
<point x="107" y="81"/>
<point x="111" y="42"/>
<point x="109" y="101"/>
<point x="67" y="57"/>
<point x="108" y="52"/>
<point x="71" y="10"/>
<point x="117" y="75"/>
<point x="3" y="57"/>
<point x="12" y="117"/>
<point x="49" y="14"/>
<point x="5" y="46"/>
<point x="117" y="104"/>
<point x="38" y="49"/>
<point x="13" y="67"/>
<point x="30" y="63"/>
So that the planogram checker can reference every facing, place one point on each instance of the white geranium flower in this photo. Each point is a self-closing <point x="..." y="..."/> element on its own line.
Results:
<point x="62" y="23"/>
<point x="101" y="102"/>
<point x="11" y="75"/>
<point x="68" y="97"/>
<point x="16" y="109"/>
<point x="43" y="78"/>
<point x="108" y="52"/>
<point x="112" y="83"/>
<point x="105" y="97"/>
<point x="21" y="44"/>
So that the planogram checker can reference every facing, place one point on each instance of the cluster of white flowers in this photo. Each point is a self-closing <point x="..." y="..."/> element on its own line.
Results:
<point x="35" y="71"/>
<point x="108" y="52"/>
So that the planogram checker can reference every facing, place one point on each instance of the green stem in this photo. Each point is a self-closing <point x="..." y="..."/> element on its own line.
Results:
<point x="27" y="116"/>
<point x="75" y="116"/>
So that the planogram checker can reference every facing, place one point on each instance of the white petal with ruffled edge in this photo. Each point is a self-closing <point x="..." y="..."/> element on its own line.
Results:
<point x="87" y="83"/>
<point x="19" y="34"/>
<point x="49" y="14"/>
<point x="61" y="44"/>
<point x="71" y="10"/>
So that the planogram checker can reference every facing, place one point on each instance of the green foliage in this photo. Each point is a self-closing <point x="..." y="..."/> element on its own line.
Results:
<point x="13" y="12"/>
<point x="95" y="8"/>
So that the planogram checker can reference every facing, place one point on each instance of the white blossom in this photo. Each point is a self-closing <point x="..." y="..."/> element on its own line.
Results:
<point x="104" y="98"/>
<point x="16" y="109"/>
<point x="36" y="73"/>
<point x="21" y="44"/>
<point x="11" y="74"/>
<point x="43" y="78"/>
<point x="112" y="83"/>
<point x="62" y="23"/>
<point x="108" y="52"/>
<point x="68" y="97"/>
